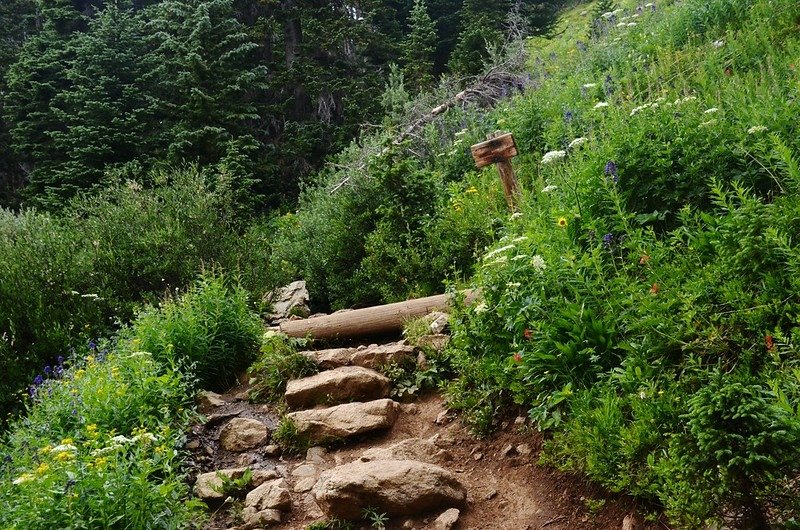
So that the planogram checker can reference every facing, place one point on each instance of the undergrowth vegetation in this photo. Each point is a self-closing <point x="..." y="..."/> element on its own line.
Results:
<point x="101" y="443"/>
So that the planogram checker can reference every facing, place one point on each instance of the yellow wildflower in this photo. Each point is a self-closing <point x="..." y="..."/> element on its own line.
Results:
<point x="43" y="468"/>
<point x="562" y="222"/>
<point x="90" y="359"/>
<point x="25" y="477"/>
<point x="472" y="189"/>
<point x="46" y="449"/>
<point x="64" y="456"/>
<point x="67" y="441"/>
<point x="79" y="373"/>
<point x="100" y="461"/>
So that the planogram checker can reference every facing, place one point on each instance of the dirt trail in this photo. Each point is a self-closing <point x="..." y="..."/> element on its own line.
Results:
<point x="506" y="487"/>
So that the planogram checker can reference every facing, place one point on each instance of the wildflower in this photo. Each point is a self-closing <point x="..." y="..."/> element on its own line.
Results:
<point x="610" y="170"/>
<point x="67" y="441"/>
<point x="516" y="215"/>
<point x="472" y="189"/>
<point x="708" y="123"/>
<point x="601" y="105"/>
<point x="589" y="85"/>
<point x="25" y="477"/>
<point x="655" y="288"/>
<point x="581" y="46"/>
<point x="48" y="370"/>
<point x="719" y="43"/>
<point x="562" y="222"/>
<point x="527" y="334"/>
<point x="93" y="345"/>
<point x="755" y="129"/>
<point x="621" y="25"/>
<point x="497" y="251"/>
<point x="607" y="15"/>
<point x="642" y="395"/>
<point x="517" y="357"/>
<point x="608" y="240"/>
<point x="553" y="156"/>
<point x="568" y="116"/>
<point x="79" y="373"/>
<point x="60" y="360"/>
<point x="537" y="262"/>
<point x="100" y="461"/>
<point x="769" y="341"/>
<point x="38" y="380"/>
<point x="64" y="456"/>
<point x="43" y="468"/>
<point x="632" y="24"/>
<point x="577" y="142"/>
<point x="481" y="308"/>
<point x="644" y="259"/>
<point x="712" y="110"/>
<point x="549" y="188"/>
<point x="63" y="448"/>
<point x="637" y="110"/>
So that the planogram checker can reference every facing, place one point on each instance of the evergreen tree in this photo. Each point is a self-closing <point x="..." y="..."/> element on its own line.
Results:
<point x="481" y="27"/>
<point x="597" y="25"/>
<point x="419" y="47"/>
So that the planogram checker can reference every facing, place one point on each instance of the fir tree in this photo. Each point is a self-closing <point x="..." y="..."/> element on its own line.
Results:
<point x="419" y="47"/>
<point x="597" y="25"/>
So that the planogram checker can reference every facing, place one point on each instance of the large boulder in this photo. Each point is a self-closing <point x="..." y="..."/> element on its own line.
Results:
<point x="289" y="301"/>
<point x="376" y="356"/>
<point x="330" y="358"/>
<point x="243" y="434"/>
<point x="395" y="487"/>
<point x="348" y="383"/>
<point x="344" y="421"/>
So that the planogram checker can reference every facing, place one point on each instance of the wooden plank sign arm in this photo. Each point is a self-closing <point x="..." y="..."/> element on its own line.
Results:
<point x="499" y="149"/>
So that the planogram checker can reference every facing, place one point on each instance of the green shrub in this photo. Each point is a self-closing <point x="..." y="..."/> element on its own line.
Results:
<point x="100" y="447"/>
<point x="210" y="329"/>
<point x="278" y="363"/>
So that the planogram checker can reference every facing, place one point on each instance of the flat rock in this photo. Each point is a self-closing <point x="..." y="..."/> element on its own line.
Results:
<point x="348" y="383"/>
<point x="376" y="356"/>
<point x="344" y="421"/>
<point x="395" y="487"/>
<point x="331" y="358"/>
<point x="243" y="434"/>
<point x="208" y="400"/>
<point x="409" y="449"/>
<point x="271" y="495"/>
<point x="208" y="486"/>
<point x="447" y="520"/>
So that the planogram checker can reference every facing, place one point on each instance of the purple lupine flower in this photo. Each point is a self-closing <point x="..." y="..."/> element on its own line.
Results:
<point x="608" y="84"/>
<point x="611" y="171"/>
<point x="38" y="380"/>
<point x="60" y="360"/>
<point x="31" y="391"/>
<point x="92" y="345"/>
<point x="568" y="116"/>
<point x="608" y="240"/>
<point x="48" y="370"/>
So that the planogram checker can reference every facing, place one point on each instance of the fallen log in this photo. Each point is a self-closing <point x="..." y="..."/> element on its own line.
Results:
<point x="371" y="320"/>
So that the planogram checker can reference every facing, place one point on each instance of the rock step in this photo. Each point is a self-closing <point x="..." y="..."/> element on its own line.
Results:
<point x="340" y="385"/>
<point x="373" y="356"/>
<point x="344" y="421"/>
<point x="395" y="487"/>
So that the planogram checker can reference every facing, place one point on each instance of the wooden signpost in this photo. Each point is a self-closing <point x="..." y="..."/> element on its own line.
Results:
<point x="499" y="149"/>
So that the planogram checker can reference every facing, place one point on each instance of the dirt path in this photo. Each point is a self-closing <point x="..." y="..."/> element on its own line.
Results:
<point x="506" y="487"/>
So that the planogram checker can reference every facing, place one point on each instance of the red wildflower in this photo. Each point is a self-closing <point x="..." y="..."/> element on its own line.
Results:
<point x="769" y="341"/>
<point x="528" y="334"/>
<point x="518" y="357"/>
<point x="655" y="288"/>
<point x="644" y="259"/>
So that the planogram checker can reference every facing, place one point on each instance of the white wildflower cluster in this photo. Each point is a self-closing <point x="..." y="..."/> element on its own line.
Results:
<point x="553" y="156"/>
<point x="577" y="142"/>
<point x="516" y="215"/>
<point x="601" y="105"/>
<point x="632" y="24"/>
<point x="590" y="85"/>
<point x="481" y="308"/>
<point x="719" y="43"/>
<point x="519" y="239"/>
<point x="549" y="188"/>
<point x="497" y="251"/>
<point x="608" y="15"/>
<point x="538" y="264"/>
<point x="681" y="101"/>
<point x="757" y="129"/>
<point x="708" y="123"/>
<point x="64" y="448"/>
<point x="712" y="110"/>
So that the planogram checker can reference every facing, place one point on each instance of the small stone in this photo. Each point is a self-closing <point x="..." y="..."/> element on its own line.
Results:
<point x="304" y="485"/>
<point x="316" y="454"/>
<point x="631" y="522"/>
<point x="305" y="470"/>
<point x="208" y="400"/>
<point x="272" y="494"/>
<point x="447" y="520"/>
<point x="409" y="408"/>
<point x="272" y="450"/>
<point x="477" y="456"/>
<point x="408" y="524"/>
<point x="260" y="476"/>
<point x="422" y="361"/>
<point x="524" y="449"/>
<point x="243" y="434"/>
<point x="442" y="418"/>
<point x="253" y="518"/>
<point x="520" y="421"/>
<point x="509" y="451"/>
<point x="439" y="321"/>
<point x="241" y="396"/>
<point x="491" y="495"/>
<point x="193" y="444"/>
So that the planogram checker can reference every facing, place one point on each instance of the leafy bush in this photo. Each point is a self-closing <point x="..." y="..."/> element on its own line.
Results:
<point x="99" y="447"/>
<point x="278" y="363"/>
<point x="210" y="329"/>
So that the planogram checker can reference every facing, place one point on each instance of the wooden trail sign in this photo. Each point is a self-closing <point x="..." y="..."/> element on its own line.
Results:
<point x="499" y="149"/>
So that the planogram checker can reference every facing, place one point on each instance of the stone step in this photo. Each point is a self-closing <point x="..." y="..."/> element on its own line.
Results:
<point x="394" y="487"/>
<point x="344" y="421"/>
<point x="373" y="356"/>
<point x="341" y="385"/>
